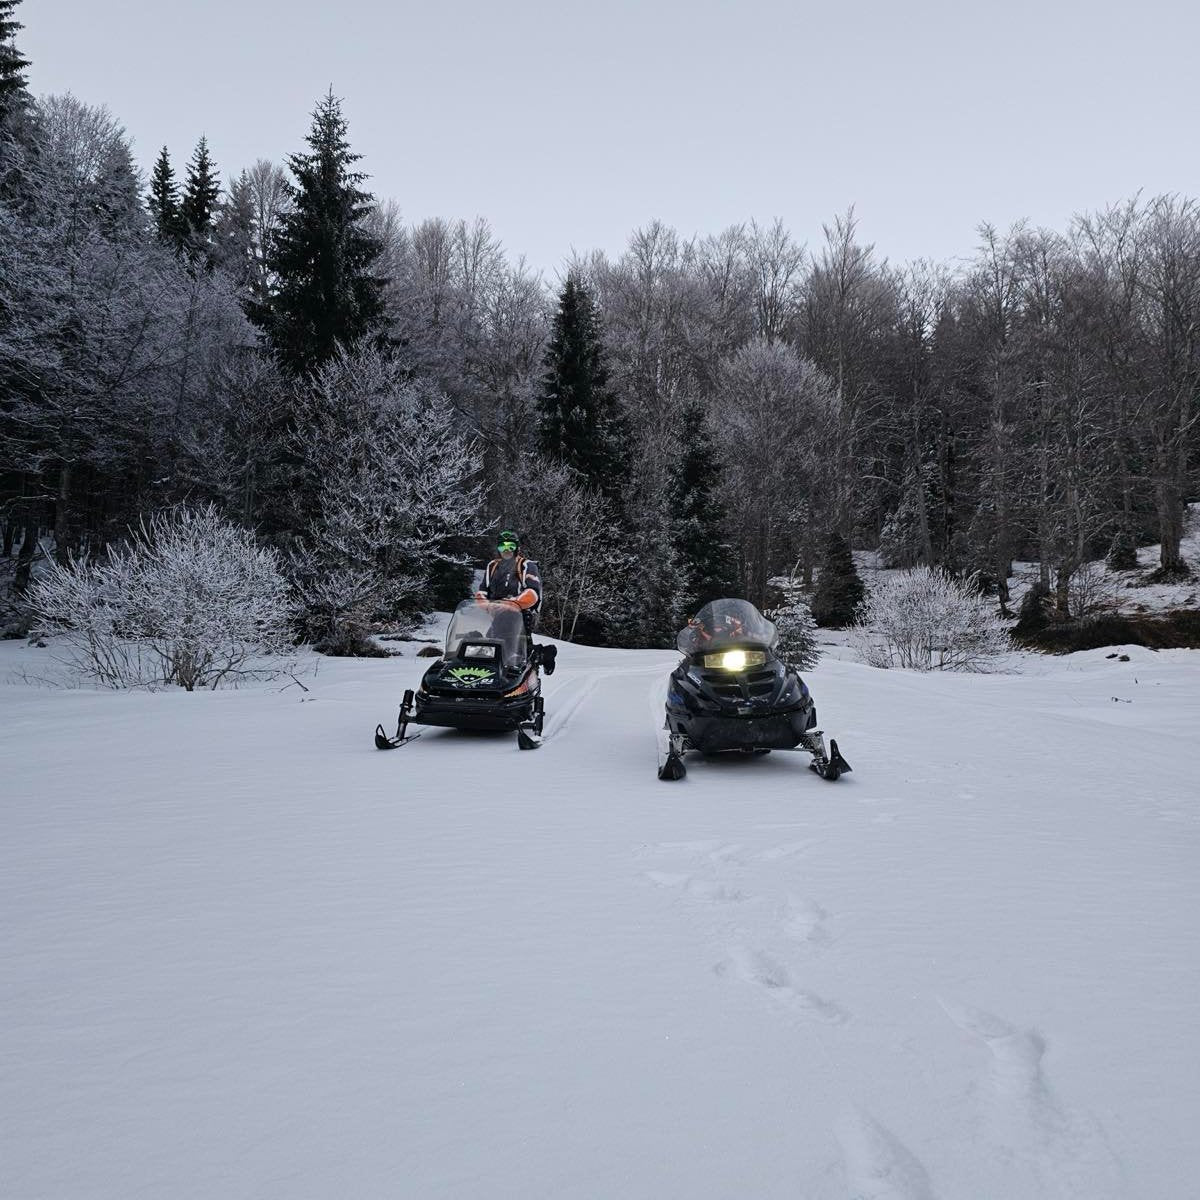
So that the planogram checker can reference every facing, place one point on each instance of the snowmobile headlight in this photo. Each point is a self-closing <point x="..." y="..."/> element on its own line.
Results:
<point x="479" y="652"/>
<point x="736" y="660"/>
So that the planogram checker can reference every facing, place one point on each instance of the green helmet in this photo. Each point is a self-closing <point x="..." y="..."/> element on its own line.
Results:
<point x="508" y="540"/>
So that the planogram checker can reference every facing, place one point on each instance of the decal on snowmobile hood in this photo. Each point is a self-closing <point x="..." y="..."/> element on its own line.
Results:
<point x="465" y="676"/>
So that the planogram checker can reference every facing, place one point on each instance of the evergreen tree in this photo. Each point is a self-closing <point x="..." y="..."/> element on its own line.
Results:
<point x="580" y="422"/>
<point x="1122" y="554"/>
<point x="328" y="295"/>
<point x="13" y="91"/>
<point x="839" y="589"/>
<point x="198" y="207"/>
<point x="699" y="517"/>
<point x="163" y="200"/>
<point x="793" y="618"/>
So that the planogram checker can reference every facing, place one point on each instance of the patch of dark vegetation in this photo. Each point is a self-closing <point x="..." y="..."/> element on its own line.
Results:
<point x="1177" y="629"/>
<point x="1177" y="574"/>
<point x="350" y="642"/>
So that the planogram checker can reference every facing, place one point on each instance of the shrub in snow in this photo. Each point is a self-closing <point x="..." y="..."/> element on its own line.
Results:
<point x="1122" y="554"/>
<point x="797" y="630"/>
<point x="190" y="600"/>
<point x="1034" y="614"/>
<point x="1091" y="590"/>
<point x="839" y="589"/>
<point x="925" y="619"/>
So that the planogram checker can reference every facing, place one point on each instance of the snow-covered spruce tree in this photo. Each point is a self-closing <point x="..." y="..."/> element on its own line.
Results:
<point x="198" y="207"/>
<point x="163" y="201"/>
<point x="839" y="590"/>
<point x="925" y="619"/>
<point x="390" y="482"/>
<point x="797" y="629"/>
<point x="188" y="600"/>
<point x="12" y="64"/>
<point x="327" y="294"/>
<point x="697" y="506"/>
<point x="580" y="419"/>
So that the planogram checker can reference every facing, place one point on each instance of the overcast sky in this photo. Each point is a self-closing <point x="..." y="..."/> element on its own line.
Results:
<point x="568" y="124"/>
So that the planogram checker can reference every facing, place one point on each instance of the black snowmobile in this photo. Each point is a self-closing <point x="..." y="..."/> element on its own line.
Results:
<point x="733" y="694"/>
<point x="487" y="678"/>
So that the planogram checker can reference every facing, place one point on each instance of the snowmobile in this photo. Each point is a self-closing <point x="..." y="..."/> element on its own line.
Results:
<point x="487" y="678"/>
<point x="733" y="694"/>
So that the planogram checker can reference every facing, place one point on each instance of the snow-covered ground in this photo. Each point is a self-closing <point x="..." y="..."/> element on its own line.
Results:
<point x="243" y="954"/>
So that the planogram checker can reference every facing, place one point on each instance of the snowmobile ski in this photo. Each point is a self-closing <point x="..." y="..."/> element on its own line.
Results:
<point x="673" y="767"/>
<point x="402" y="736"/>
<point x="529" y="733"/>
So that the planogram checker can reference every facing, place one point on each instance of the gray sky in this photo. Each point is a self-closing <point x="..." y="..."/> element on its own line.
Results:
<point x="569" y="124"/>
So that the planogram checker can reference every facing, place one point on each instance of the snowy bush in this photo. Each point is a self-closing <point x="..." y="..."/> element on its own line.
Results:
<point x="390" y="479"/>
<point x="190" y="600"/>
<point x="1091" y="590"/>
<point x="925" y="619"/>
<point x="797" y="629"/>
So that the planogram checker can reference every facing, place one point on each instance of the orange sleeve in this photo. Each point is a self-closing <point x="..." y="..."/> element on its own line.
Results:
<point x="527" y="599"/>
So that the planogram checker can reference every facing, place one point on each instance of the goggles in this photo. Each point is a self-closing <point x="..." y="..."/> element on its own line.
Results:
<point x="503" y="546"/>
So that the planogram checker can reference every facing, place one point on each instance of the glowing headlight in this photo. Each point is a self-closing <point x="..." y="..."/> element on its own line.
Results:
<point x="735" y="660"/>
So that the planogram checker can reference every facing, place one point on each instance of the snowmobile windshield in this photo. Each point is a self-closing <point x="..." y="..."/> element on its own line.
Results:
<point x="726" y="624"/>
<point x="474" y="622"/>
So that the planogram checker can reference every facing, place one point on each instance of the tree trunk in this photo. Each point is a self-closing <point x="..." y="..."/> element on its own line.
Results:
<point x="1168" y="500"/>
<point x="61" y="553"/>
<point x="26" y="556"/>
<point x="1062" y="590"/>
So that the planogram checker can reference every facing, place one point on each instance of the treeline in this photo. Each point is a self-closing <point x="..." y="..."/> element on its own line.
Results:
<point x="694" y="418"/>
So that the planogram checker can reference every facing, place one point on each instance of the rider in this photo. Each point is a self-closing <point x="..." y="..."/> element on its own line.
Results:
<point x="513" y="577"/>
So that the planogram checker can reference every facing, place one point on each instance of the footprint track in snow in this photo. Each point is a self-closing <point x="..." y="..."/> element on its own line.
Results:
<point x="698" y="889"/>
<point x="759" y="969"/>
<point x="676" y="849"/>
<point x="786" y="850"/>
<point x="1063" y="1148"/>
<point x="878" y="1165"/>
<point x="804" y="921"/>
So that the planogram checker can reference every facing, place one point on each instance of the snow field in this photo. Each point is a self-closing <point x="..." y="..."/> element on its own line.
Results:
<point x="244" y="954"/>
